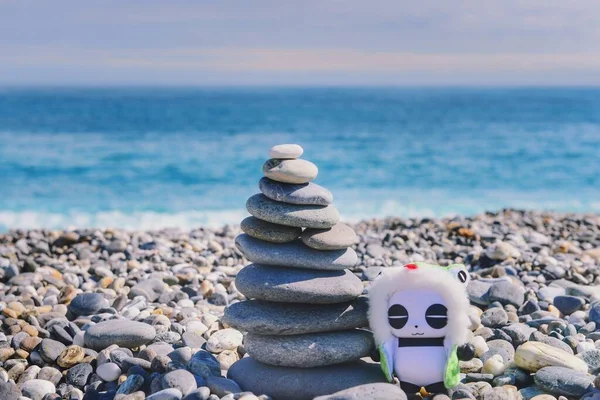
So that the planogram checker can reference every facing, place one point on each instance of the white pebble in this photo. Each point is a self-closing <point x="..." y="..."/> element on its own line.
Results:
<point x="584" y="346"/>
<point x="109" y="372"/>
<point x="480" y="345"/>
<point x="494" y="365"/>
<point x="36" y="389"/>
<point x="185" y="303"/>
<point x="286" y="151"/>
<point x="226" y="339"/>
<point x="78" y="339"/>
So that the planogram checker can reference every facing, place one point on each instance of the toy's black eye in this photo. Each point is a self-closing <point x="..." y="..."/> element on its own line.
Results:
<point x="397" y="316"/>
<point x="462" y="276"/>
<point x="437" y="316"/>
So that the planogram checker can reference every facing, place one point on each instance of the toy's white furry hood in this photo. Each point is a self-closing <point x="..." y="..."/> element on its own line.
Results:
<point x="395" y="279"/>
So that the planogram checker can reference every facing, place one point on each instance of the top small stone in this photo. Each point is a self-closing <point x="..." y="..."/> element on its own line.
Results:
<point x="286" y="151"/>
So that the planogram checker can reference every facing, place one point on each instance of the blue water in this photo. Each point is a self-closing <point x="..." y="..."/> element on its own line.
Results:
<point x="156" y="157"/>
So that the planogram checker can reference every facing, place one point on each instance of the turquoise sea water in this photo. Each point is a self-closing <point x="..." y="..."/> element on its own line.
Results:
<point x="156" y="157"/>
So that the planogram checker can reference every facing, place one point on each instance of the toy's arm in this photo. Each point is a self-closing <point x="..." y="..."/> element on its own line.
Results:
<point x="386" y="358"/>
<point x="452" y="372"/>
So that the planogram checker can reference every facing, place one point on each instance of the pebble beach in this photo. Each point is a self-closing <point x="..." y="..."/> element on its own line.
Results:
<point x="111" y="314"/>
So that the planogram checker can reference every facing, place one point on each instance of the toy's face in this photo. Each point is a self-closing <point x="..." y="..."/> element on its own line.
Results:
<point x="417" y="314"/>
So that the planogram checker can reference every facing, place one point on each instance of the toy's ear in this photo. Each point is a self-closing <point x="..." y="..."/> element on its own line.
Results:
<point x="459" y="271"/>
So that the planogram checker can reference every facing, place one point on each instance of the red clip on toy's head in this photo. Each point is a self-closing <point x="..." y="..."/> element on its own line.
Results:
<point x="411" y="266"/>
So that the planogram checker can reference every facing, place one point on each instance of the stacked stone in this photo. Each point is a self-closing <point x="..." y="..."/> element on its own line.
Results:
<point x="305" y="306"/>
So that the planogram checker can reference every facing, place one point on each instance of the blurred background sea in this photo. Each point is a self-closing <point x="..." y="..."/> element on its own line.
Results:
<point x="146" y="158"/>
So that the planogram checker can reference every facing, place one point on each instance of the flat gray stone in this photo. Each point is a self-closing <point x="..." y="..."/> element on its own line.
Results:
<point x="263" y="230"/>
<point x="294" y="254"/>
<point x="303" y="193"/>
<point x="368" y="392"/>
<point x="50" y="349"/>
<point x="310" y="350"/>
<point x="297" y="285"/>
<point x="477" y="291"/>
<point x="166" y="394"/>
<point x="506" y="293"/>
<point x="124" y="333"/>
<point x="286" y="151"/>
<point x="338" y="237"/>
<point x="222" y="386"/>
<point x="301" y="383"/>
<point x="88" y="303"/>
<point x="266" y="318"/>
<point x="151" y="289"/>
<point x="290" y="171"/>
<point x="300" y="215"/>
<point x="563" y="381"/>
<point x="180" y="379"/>
<point x="501" y="347"/>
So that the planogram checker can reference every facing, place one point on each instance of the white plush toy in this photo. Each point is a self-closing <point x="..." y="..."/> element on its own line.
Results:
<point x="419" y="317"/>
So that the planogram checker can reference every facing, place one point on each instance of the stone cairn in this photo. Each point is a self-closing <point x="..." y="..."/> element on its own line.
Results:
<point x="305" y="305"/>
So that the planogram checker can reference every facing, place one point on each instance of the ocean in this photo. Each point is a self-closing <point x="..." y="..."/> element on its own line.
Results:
<point x="148" y="158"/>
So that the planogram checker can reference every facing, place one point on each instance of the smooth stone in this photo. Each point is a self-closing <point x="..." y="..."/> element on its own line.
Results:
<point x="202" y="393"/>
<point x="222" y="386"/>
<point x="179" y="379"/>
<point x="532" y="356"/>
<point x="151" y="289"/>
<point x="563" y="381"/>
<point x="166" y="394"/>
<point x="294" y="254"/>
<point x="88" y="303"/>
<point x="500" y="347"/>
<point x="551" y="341"/>
<point x="286" y="151"/>
<point x="568" y="304"/>
<point x="204" y="364"/>
<point x="268" y="318"/>
<point x="224" y="339"/>
<point x="592" y="359"/>
<point x="302" y="383"/>
<point x="109" y="372"/>
<point x="299" y="215"/>
<point x="304" y="193"/>
<point x="519" y="333"/>
<point x="477" y="291"/>
<point x="339" y="237"/>
<point x="70" y="356"/>
<point x="79" y="374"/>
<point x="594" y="313"/>
<point x="50" y="374"/>
<point x="9" y="391"/>
<point x="133" y="383"/>
<point x="263" y="230"/>
<point x="36" y="389"/>
<point x="506" y="293"/>
<point x="500" y="251"/>
<point x="296" y="285"/>
<point x="368" y="392"/>
<point x="494" y="317"/>
<point x="290" y="171"/>
<point x="123" y="333"/>
<point x="50" y="349"/>
<point x="310" y="350"/>
<point x="528" y="393"/>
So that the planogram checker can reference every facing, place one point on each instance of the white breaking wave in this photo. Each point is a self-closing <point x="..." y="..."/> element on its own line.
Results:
<point x="352" y="210"/>
<point x="146" y="220"/>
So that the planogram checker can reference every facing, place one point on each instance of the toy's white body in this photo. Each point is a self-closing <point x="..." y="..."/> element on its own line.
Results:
<point x="420" y="365"/>
<point x="418" y="316"/>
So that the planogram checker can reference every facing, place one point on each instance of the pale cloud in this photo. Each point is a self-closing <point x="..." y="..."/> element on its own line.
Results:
<point x="430" y="41"/>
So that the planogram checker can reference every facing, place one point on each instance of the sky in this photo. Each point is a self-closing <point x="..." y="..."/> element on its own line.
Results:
<point x="308" y="42"/>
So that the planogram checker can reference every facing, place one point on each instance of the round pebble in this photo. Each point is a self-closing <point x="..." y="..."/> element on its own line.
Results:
<point x="290" y="171"/>
<point x="286" y="151"/>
